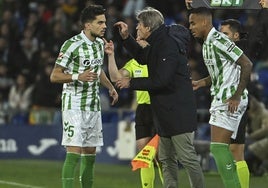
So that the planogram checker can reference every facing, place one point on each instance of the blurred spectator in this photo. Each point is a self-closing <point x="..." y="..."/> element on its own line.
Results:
<point x="9" y="19"/>
<point x="5" y="82"/>
<point x="132" y="7"/>
<point x="4" y="50"/>
<point x="46" y="98"/>
<point x="19" y="99"/>
<point x="45" y="94"/>
<point x="55" y="37"/>
<point x="262" y="70"/>
<point x="258" y="137"/>
<point x="259" y="37"/>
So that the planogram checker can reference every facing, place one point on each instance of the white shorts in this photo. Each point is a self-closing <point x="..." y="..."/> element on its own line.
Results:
<point x="221" y="117"/>
<point x="82" y="128"/>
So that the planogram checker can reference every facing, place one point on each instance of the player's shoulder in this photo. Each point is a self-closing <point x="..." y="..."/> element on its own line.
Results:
<point x="72" y="42"/>
<point x="220" y="40"/>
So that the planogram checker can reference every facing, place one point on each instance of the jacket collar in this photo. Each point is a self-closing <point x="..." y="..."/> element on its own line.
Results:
<point x="156" y="33"/>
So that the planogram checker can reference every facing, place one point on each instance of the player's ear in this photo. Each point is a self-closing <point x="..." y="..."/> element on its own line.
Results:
<point x="236" y="35"/>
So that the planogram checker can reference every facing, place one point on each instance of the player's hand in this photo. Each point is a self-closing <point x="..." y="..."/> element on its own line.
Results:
<point x="108" y="47"/>
<point x="233" y="103"/>
<point x="113" y="93"/>
<point x="88" y="76"/>
<point x="195" y="85"/>
<point x="123" y="29"/>
<point x="188" y="4"/>
<point x="122" y="83"/>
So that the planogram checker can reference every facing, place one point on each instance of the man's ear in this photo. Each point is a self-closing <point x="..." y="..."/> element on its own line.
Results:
<point x="237" y="35"/>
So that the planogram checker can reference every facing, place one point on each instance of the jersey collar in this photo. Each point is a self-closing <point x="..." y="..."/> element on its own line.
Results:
<point x="89" y="42"/>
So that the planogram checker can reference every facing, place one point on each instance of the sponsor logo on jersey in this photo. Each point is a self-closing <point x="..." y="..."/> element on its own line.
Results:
<point x="93" y="62"/>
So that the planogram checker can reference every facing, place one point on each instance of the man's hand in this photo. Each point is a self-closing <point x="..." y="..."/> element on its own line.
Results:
<point x="188" y="4"/>
<point x="141" y="42"/>
<point x="233" y="103"/>
<point x="122" y="83"/>
<point x="88" y="76"/>
<point x="114" y="95"/>
<point x="196" y="85"/>
<point x="123" y="29"/>
<point x="108" y="47"/>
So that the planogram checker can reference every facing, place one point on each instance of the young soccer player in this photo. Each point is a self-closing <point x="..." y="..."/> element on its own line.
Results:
<point x="79" y="68"/>
<point x="229" y="73"/>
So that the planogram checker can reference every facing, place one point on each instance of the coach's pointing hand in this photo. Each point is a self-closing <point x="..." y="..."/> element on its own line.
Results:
<point x="123" y="29"/>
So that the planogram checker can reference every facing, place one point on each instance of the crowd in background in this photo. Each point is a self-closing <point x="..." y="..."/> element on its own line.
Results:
<point x="32" y="31"/>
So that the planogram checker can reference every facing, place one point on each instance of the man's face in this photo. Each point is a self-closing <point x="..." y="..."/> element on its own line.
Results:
<point x="227" y="31"/>
<point x="142" y="31"/>
<point x="196" y="25"/>
<point x="97" y="27"/>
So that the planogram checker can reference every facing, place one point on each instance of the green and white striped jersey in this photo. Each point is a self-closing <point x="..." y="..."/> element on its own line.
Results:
<point x="220" y="55"/>
<point x="78" y="54"/>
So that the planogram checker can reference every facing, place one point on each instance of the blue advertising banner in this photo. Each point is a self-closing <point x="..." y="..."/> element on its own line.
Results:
<point x="44" y="142"/>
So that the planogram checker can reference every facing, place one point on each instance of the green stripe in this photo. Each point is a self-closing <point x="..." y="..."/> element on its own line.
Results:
<point x="224" y="95"/>
<point x="69" y="102"/>
<point x="63" y="100"/>
<point x="237" y="51"/>
<point x="92" y="105"/>
<point x="84" y="96"/>
<point x="220" y="68"/>
<point x="233" y="90"/>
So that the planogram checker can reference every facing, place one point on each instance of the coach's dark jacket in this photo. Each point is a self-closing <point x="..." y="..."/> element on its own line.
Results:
<point x="169" y="82"/>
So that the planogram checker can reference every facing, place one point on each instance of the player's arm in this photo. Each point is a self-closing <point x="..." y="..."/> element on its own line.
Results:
<point x="201" y="83"/>
<point x="106" y="83"/>
<point x="58" y="75"/>
<point x="114" y="73"/>
<point x="246" y="66"/>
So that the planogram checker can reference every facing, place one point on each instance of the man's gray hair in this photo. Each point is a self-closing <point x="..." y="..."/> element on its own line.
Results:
<point x="150" y="17"/>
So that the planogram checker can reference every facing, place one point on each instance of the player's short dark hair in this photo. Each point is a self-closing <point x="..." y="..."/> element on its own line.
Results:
<point x="234" y="24"/>
<point x="201" y="11"/>
<point x="90" y="12"/>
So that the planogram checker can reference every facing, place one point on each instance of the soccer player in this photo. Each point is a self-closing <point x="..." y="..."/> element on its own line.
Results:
<point x="79" y="68"/>
<point x="229" y="73"/>
<point x="144" y="119"/>
<point x="232" y="28"/>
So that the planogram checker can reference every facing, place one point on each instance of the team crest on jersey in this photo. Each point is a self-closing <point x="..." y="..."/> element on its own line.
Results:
<point x="93" y="62"/>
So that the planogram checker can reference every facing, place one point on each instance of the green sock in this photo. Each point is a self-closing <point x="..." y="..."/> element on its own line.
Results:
<point x="147" y="176"/>
<point x="68" y="169"/>
<point x="87" y="170"/>
<point x="225" y="164"/>
<point x="243" y="173"/>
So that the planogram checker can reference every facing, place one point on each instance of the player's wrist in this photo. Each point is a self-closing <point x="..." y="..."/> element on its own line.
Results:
<point x="75" y="77"/>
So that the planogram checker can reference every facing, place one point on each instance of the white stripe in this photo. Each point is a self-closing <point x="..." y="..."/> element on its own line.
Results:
<point x="17" y="184"/>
